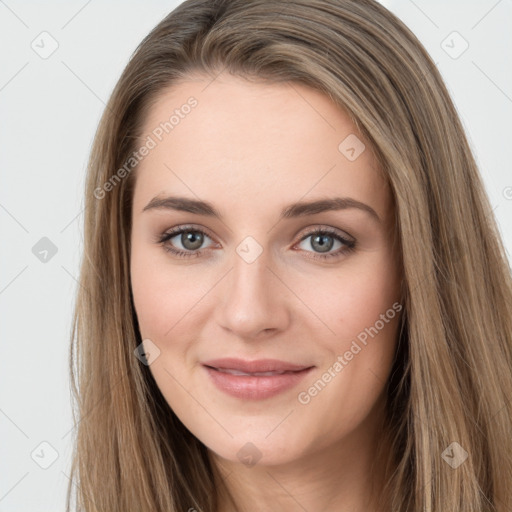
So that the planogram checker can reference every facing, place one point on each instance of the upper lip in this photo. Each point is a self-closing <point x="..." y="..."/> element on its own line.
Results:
<point x="259" y="365"/>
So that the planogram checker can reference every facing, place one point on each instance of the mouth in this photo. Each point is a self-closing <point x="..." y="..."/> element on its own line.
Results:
<point x="253" y="374"/>
<point x="255" y="380"/>
<point x="274" y="366"/>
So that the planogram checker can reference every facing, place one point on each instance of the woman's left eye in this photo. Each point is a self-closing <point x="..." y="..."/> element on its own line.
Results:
<point x="322" y="241"/>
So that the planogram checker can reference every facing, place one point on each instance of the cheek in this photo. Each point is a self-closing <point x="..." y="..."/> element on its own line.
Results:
<point x="155" y="294"/>
<point x="151" y="303"/>
<point x="163" y="294"/>
<point x="354" y="298"/>
<point x="361" y="307"/>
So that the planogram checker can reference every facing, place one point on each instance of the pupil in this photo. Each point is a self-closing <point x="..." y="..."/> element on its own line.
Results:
<point x="319" y="242"/>
<point x="192" y="240"/>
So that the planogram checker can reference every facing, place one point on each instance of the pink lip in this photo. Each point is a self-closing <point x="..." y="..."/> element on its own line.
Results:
<point x="259" y="365"/>
<point x="255" y="387"/>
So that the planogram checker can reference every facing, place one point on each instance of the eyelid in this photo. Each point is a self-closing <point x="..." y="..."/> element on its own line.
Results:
<point x="348" y="242"/>
<point x="327" y="229"/>
<point x="170" y="233"/>
<point x="309" y="231"/>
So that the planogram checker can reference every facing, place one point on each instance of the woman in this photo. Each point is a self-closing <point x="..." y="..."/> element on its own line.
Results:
<point x="294" y="293"/>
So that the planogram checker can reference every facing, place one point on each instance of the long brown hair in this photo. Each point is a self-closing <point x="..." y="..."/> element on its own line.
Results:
<point x="452" y="379"/>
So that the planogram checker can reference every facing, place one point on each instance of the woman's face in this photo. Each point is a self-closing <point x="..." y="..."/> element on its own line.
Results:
<point x="288" y="256"/>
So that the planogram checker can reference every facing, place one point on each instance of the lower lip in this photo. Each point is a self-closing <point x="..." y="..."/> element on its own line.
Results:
<point x="255" y="387"/>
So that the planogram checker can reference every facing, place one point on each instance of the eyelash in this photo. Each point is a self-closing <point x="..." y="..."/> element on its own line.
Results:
<point x="350" y="245"/>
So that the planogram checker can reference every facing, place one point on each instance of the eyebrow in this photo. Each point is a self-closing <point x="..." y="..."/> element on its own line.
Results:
<point x="299" y="209"/>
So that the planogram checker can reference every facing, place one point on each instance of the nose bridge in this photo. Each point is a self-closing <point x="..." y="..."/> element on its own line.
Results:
<point x="251" y="301"/>
<point x="249" y="278"/>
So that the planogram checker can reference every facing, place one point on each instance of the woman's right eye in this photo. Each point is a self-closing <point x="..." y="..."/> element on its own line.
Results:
<point x="190" y="239"/>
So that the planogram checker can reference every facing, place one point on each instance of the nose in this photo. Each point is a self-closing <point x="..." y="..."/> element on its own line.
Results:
<point x="254" y="301"/>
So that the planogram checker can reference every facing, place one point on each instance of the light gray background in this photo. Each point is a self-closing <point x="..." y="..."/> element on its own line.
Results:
<point x="49" y="110"/>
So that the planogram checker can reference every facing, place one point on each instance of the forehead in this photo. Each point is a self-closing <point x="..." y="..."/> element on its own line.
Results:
<point x="255" y="146"/>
